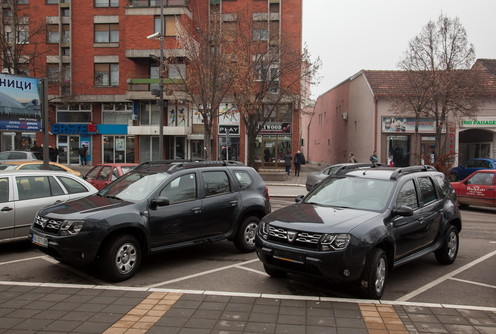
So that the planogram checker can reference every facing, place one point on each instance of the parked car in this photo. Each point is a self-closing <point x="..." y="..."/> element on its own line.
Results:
<point x="155" y="207"/>
<point x="477" y="189"/>
<point x="102" y="174"/>
<point x="468" y="167"/>
<point x="19" y="155"/>
<point x="23" y="193"/>
<point x="315" y="178"/>
<point x="36" y="165"/>
<point x="358" y="226"/>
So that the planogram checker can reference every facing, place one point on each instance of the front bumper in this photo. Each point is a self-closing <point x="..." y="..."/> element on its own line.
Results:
<point x="337" y="266"/>
<point x="80" y="249"/>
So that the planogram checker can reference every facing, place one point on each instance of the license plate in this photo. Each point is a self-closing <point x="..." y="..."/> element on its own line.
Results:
<point x="40" y="241"/>
<point x="289" y="256"/>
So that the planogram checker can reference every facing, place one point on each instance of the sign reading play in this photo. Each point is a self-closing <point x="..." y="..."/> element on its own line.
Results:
<point x="20" y="107"/>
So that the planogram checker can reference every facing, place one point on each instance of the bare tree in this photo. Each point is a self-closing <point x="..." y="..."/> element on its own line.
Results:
<point x="440" y="86"/>
<point x="21" y="38"/>
<point x="269" y="70"/>
<point x="210" y="72"/>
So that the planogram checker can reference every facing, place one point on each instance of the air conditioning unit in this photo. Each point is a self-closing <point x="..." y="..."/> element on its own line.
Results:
<point x="344" y="116"/>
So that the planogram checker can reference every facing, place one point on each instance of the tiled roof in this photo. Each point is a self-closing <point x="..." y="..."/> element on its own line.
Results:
<point x="395" y="83"/>
<point x="487" y="64"/>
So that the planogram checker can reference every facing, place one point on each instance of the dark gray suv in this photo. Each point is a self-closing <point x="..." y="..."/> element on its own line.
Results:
<point x="358" y="226"/>
<point x="156" y="207"/>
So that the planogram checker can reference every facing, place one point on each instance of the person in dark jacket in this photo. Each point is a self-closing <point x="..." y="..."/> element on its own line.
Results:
<point x="83" y="151"/>
<point x="287" y="162"/>
<point x="299" y="160"/>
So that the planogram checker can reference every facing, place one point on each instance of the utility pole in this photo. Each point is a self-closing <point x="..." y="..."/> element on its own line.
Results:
<point x="161" y="86"/>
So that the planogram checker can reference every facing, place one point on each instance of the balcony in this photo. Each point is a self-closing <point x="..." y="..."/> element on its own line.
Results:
<point x="141" y="89"/>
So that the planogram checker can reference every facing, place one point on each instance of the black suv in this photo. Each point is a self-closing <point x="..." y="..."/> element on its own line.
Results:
<point x="358" y="226"/>
<point x="157" y="206"/>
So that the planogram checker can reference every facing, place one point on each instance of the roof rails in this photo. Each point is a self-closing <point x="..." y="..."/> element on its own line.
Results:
<point x="412" y="169"/>
<point x="176" y="164"/>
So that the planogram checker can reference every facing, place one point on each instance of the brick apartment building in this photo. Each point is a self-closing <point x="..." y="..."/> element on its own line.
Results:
<point x="102" y="71"/>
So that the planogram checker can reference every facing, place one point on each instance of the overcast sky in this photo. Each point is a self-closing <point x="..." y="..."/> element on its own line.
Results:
<point x="351" y="35"/>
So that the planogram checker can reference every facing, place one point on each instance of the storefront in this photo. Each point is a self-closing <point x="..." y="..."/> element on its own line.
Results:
<point x="477" y="138"/>
<point x="273" y="142"/>
<point x="404" y="145"/>
<point x="229" y="127"/>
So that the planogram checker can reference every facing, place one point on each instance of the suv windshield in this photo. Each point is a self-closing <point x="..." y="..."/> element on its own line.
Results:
<point x="134" y="186"/>
<point x="352" y="192"/>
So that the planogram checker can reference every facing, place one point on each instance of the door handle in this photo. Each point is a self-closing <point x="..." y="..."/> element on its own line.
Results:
<point x="6" y="208"/>
<point x="196" y="210"/>
<point x="233" y="203"/>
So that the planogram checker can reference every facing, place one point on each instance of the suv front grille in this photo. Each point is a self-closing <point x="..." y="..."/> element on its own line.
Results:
<point x="51" y="226"/>
<point x="302" y="239"/>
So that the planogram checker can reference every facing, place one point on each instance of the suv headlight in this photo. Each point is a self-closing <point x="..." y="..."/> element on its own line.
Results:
<point x="335" y="241"/>
<point x="263" y="229"/>
<point x="71" y="227"/>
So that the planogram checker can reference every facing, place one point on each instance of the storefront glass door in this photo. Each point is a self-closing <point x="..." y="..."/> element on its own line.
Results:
<point x="68" y="149"/>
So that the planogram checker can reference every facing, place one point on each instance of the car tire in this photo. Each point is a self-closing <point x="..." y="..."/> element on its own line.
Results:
<point x="449" y="250"/>
<point x="120" y="258"/>
<point x="374" y="276"/>
<point x="453" y="177"/>
<point x="245" y="238"/>
<point x="275" y="273"/>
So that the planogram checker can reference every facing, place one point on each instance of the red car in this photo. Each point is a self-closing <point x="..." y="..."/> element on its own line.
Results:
<point x="102" y="174"/>
<point x="477" y="189"/>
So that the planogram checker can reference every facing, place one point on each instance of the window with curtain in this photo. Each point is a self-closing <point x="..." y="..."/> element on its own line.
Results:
<point x="106" y="74"/>
<point x="106" y="33"/>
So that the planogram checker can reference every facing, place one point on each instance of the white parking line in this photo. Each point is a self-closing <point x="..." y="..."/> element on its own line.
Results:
<point x="444" y="278"/>
<point x="263" y="273"/>
<point x="26" y="259"/>
<point x="200" y="274"/>
<point x="473" y="283"/>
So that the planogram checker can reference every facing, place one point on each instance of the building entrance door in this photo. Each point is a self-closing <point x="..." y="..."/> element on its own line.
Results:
<point x="68" y="149"/>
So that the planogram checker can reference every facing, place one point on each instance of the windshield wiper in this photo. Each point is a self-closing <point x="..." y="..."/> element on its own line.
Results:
<point x="113" y="197"/>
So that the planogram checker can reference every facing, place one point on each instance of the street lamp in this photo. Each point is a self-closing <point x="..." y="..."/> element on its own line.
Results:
<point x="160" y="36"/>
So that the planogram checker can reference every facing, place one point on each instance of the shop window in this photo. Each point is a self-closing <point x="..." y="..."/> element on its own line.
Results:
<point x="74" y="113"/>
<point x="117" y="113"/>
<point x="118" y="149"/>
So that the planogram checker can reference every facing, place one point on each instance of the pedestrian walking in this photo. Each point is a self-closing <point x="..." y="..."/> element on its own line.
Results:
<point x="287" y="162"/>
<point x="373" y="158"/>
<point x="351" y="158"/>
<point x="299" y="160"/>
<point x="83" y="151"/>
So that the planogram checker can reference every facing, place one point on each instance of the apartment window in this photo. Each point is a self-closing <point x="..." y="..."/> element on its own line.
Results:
<point x="52" y="2"/>
<point x="66" y="34"/>
<point x="106" y="33"/>
<point x="117" y="113"/>
<point x="274" y="8"/>
<point x="53" y="72"/>
<point x="106" y="3"/>
<point x="74" y="113"/>
<point x="260" y="31"/>
<point x="65" y="12"/>
<point x="176" y="71"/>
<point x="170" y="25"/>
<point x="66" y="51"/>
<point x="22" y="34"/>
<point x="53" y="35"/>
<point x="106" y="74"/>
<point x="22" y="2"/>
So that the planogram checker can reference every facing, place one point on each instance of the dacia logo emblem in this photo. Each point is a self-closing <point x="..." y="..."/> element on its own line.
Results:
<point x="291" y="236"/>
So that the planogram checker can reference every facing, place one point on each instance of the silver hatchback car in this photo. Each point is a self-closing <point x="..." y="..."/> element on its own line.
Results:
<point x="24" y="192"/>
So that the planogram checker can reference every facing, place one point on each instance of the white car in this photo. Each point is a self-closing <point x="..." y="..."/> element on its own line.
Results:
<point x="24" y="192"/>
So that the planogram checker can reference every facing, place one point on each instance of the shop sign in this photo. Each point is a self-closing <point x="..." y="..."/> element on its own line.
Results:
<point x="233" y="129"/>
<point x="478" y="122"/>
<point x="407" y="125"/>
<point x="76" y="129"/>
<point x="275" y="128"/>
<point x="451" y="138"/>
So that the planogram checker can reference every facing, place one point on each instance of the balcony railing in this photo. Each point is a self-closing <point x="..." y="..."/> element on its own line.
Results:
<point x="147" y="84"/>
<point x="156" y="3"/>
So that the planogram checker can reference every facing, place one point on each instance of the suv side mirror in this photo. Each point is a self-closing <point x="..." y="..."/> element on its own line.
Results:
<point x="161" y="201"/>
<point x="299" y="198"/>
<point x="404" y="211"/>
